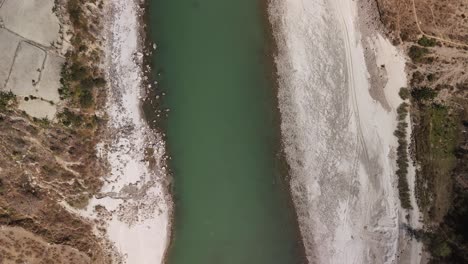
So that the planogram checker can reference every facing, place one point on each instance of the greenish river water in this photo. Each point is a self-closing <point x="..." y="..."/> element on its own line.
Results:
<point x="232" y="205"/>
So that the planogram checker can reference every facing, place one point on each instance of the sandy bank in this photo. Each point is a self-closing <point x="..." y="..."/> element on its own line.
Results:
<point x="338" y="129"/>
<point x="133" y="207"/>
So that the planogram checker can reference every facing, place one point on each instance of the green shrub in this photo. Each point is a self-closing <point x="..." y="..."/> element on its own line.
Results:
<point x="69" y="118"/>
<point x="82" y="48"/>
<point x="438" y="246"/>
<point x="402" y="157"/>
<point x="423" y="93"/>
<point x="402" y="111"/>
<point x="87" y="84"/>
<point x="78" y="72"/>
<point x="417" y="53"/>
<point x="427" y="42"/>
<point x="64" y="90"/>
<point x="99" y="82"/>
<point x="86" y="99"/>
<point x="2" y="186"/>
<point x="75" y="12"/>
<point x="404" y="93"/>
<point x="430" y="77"/>
<point x="5" y="99"/>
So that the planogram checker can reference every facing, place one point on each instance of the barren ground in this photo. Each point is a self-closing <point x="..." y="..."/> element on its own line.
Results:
<point x="46" y="166"/>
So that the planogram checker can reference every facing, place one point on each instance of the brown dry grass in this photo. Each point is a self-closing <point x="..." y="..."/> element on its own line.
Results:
<point x="445" y="19"/>
<point x="40" y="165"/>
<point x="20" y="246"/>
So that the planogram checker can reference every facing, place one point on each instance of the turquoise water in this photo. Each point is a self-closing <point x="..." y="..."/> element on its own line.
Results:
<point x="232" y="205"/>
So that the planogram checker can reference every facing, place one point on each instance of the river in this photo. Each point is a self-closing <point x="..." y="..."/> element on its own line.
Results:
<point x="232" y="204"/>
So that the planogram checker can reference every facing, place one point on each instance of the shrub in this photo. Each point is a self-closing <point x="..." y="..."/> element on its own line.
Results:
<point x="69" y="118"/>
<point x="438" y="246"/>
<point x="75" y="12"/>
<point x="417" y="53"/>
<point x="5" y="99"/>
<point x="2" y="187"/>
<point x="404" y="93"/>
<point x="78" y="72"/>
<point x="402" y="157"/>
<point x="86" y="99"/>
<point x="402" y="111"/>
<point x="82" y="48"/>
<point x="427" y="42"/>
<point x="430" y="77"/>
<point x="99" y="82"/>
<point x="87" y="84"/>
<point x="423" y="94"/>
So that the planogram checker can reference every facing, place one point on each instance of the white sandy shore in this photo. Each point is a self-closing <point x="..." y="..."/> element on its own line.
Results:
<point x="137" y="208"/>
<point x="338" y="139"/>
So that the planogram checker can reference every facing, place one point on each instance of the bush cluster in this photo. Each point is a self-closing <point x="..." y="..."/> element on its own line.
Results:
<point x="5" y="99"/>
<point x="79" y="76"/>
<point x="417" y="53"/>
<point x="420" y="94"/>
<point x="69" y="118"/>
<point x="404" y="93"/>
<point x="427" y="42"/>
<point x="402" y="156"/>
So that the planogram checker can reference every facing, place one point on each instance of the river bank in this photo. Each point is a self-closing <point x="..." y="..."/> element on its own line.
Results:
<point x="338" y="96"/>
<point x="133" y="208"/>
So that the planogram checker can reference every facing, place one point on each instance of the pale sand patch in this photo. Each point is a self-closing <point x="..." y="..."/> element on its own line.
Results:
<point x="50" y="78"/>
<point x="37" y="108"/>
<point x="8" y="44"/>
<point x="26" y="70"/>
<point x="32" y="19"/>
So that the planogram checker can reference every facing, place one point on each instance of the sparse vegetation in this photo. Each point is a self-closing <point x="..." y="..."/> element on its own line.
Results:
<point x="39" y="158"/>
<point x="43" y="122"/>
<point x="6" y="98"/>
<point x="74" y="8"/>
<point x="86" y="98"/>
<point x="69" y="118"/>
<point x="435" y="145"/>
<point x="80" y="78"/>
